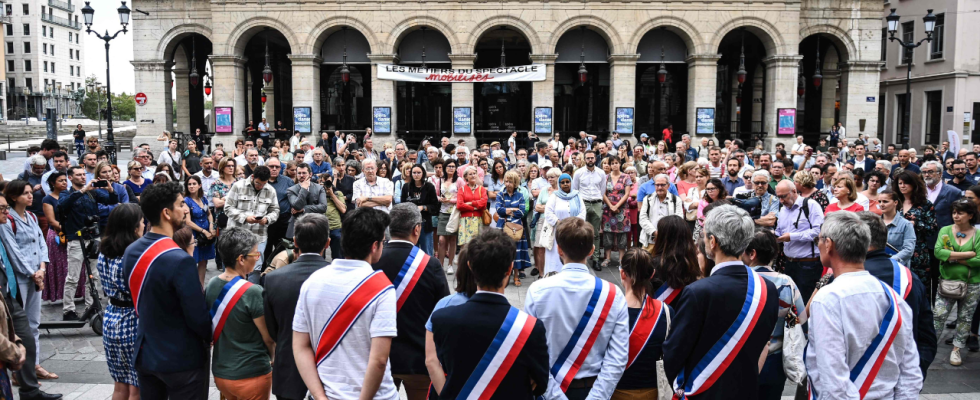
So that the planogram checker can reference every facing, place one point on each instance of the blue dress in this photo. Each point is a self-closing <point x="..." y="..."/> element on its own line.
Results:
<point x="200" y="218"/>
<point x="523" y="258"/>
<point x="119" y="323"/>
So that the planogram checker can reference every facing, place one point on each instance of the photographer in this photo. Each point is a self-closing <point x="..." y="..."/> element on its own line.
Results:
<point x="79" y="208"/>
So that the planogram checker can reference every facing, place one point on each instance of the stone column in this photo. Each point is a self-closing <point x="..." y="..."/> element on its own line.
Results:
<point x="543" y="93"/>
<point x="383" y="94"/>
<point x="828" y="99"/>
<point x="153" y="79"/>
<point x="859" y="82"/>
<point x="781" y="79"/>
<point x="182" y="87"/>
<point x="306" y="87"/>
<point x="230" y="88"/>
<point x="702" y="81"/>
<point x="270" y="105"/>
<point x="622" y="85"/>
<point x="462" y="95"/>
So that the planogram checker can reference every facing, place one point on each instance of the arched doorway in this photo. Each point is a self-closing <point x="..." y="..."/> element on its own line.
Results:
<point x="661" y="104"/>
<point x="502" y="107"/>
<point x="819" y="101"/>
<point x="268" y="77"/>
<point x="424" y="108"/>
<point x="582" y="104"/>
<point x="345" y="105"/>
<point x="740" y="91"/>
<point x="192" y="82"/>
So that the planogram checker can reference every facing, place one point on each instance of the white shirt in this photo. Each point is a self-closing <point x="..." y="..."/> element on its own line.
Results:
<point x="933" y="193"/>
<point x="842" y="132"/>
<point x="342" y="374"/>
<point x="590" y="184"/>
<point x="559" y="303"/>
<point x="263" y="126"/>
<point x="840" y="333"/>
<point x="170" y="158"/>
<point x="242" y="162"/>
<point x="381" y="187"/>
<point x="293" y="143"/>
<point x="207" y="181"/>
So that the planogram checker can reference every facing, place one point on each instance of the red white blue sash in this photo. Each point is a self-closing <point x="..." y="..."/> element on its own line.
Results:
<point x="498" y="359"/>
<point x="667" y="294"/>
<point x="721" y="355"/>
<point x="229" y="296"/>
<point x="142" y="268"/>
<point x="583" y="338"/>
<point x="901" y="279"/>
<point x="409" y="275"/>
<point x="866" y="370"/>
<point x="642" y="331"/>
<point x="343" y="318"/>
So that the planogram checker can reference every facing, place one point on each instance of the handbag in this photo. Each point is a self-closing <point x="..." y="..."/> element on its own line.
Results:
<point x="487" y="218"/>
<point x="453" y="224"/>
<point x="203" y="241"/>
<point x="666" y="389"/>
<point x="514" y="231"/>
<point x="955" y="290"/>
<point x="794" y="341"/>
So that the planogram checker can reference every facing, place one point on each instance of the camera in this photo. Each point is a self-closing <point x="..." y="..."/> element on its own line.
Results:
<point x="100" y="183"/>
<point x="327" y="181"/>
<point x="91" y="229"/>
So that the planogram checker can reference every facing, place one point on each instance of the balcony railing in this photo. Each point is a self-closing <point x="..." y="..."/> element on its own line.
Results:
<point x="4" y="20"/>
<point x="61" y="21"/>
<point x="67" y="6"/>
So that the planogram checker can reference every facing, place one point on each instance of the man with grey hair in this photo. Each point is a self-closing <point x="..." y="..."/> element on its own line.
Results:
<point x="798" y="223"/>
<point x="659" y="205"/>
<point x="885" y="167"/>
<point x="941" y="195"/>
<point x="768" y="203"/>
<point x="842" y="334"/>
<point x="419" y="283"/>
<point x="373" y="190"/>
<point x="731" y="295"/>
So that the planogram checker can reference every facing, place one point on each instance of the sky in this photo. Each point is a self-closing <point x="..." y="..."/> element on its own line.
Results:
<point x="120" y="49"/>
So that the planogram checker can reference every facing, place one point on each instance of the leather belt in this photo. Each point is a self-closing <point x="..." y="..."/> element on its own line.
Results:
<point x="811" y="259"/>
<point x="584" y="383"/>
<point x="592" y="201"/>
<point x="120" y="303"/>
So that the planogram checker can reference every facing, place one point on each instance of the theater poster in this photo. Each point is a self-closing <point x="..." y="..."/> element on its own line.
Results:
<point x="301" y="119"/>
<point x="223" y="120"/>
<point x="624" y="120"/>
<point x="787" y="121"/>
<point x="382" y="120"/>
<point x="705" y="121"/>
<point x="542" y="120"/>
<point x="462" y="120"/>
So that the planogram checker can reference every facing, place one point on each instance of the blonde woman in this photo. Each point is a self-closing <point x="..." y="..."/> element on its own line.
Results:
<point x="686" y="177"/>
<point x="846" y="193"/>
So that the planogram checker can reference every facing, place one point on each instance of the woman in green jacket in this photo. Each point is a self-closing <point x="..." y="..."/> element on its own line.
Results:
<point x="957" y="249"/>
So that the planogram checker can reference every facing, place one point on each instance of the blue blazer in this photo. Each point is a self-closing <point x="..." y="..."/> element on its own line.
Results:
<point x="867" y="165"/>
<point x="173" y="332"/>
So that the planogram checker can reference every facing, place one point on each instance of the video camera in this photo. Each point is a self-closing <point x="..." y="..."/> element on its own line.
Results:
<point x="90" y="233"/>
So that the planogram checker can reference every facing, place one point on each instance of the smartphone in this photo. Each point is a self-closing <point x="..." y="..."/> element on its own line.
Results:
<point x="809" y="152"/>
<point x="100" y="184"/>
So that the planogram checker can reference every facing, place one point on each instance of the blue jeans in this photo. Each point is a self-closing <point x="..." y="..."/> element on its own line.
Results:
<point x="772" y="378"/>
<point x="336" y="252"/>
<point x="425" y="242"/>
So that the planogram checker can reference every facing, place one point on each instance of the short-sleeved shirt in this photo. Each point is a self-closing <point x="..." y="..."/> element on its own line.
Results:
<point x="342" y="374"/>
<point x="333" y="214"/>
<point x="239" y="353"/>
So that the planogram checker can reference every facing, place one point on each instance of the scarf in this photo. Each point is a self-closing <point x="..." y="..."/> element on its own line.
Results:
<point x="571" y="198"/>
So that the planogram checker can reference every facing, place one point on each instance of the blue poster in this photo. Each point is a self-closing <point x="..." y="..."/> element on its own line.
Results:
<point x="462" y="119"/>
<point x="624" y="120"/>
<point x="542" y="120"/>
<point x="301" y="119"/>
<point x="382" y="120"/>
<point x="705" y="121"/>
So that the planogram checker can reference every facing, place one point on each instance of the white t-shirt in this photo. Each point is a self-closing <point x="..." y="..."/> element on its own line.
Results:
<point x="342" y="373"/>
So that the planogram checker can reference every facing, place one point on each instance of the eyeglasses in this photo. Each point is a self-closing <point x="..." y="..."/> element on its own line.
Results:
<point x="255" y="254"/>
<point x="274" y="167"/>
<point x="137" y="169"/>
<point x="710" y="189"/>
<point x="929" y="172"/>
<point x="660" y="184"/>
<point x="4" y="209"/>
<point x="781" y="197"/>
<point x="760" y="183"/>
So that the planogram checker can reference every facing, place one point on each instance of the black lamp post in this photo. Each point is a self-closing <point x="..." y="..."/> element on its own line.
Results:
<point x="929" y="23"/>
<point x="88" y="12"/>
<point x="195" y="77"/>
<point x="423" y="47"/>
<point x="800" y="81"/>
<point x="740" y="76"/>
<point x="503" y="57"/>
<point x="817" y="77"/>
<point x="344" y="70"/>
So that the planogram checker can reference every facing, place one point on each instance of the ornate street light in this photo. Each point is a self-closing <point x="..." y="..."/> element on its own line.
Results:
<point x="89" y="13"/>
<point x="929" y="23"/>
<point x="267" y="70"/>
<point x="740" y="75"/>
<point x="817" y="77"/>
<point x="583" y="73"/>
<point x="423" y="47"/>
<point x="662" y="72"/>
<point x="503" y="57"/>
<point x="800" y="82"/>
<point x="207" y="85"/>
<point x="194" y="76"/>
<point x="344" y="70"/>
<point x="264" y="98"/>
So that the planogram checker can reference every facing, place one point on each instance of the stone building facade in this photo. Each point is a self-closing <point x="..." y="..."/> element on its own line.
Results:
<point x="704" y="42"/>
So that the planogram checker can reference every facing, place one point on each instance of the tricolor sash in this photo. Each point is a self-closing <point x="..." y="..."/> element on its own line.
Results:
<point x="142" y="268"/>
<point x="409" y="275"/>
<point x="340" y="322"/>
<point x="721" y="355"/>
<point x="667" y="294"/>
<point x="642" y="331"/>
<point x="583" y="338"/>
<point x="866" y="370"/>
<point x="498" y="359"/>
<point x="901" y="279"/>
<point x="229" y="296"/>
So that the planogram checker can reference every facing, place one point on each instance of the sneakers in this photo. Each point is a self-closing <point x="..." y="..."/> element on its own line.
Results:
<point x="70" y="316"/>
<point x="954" y="358"/>
<point x="449" y="270"/>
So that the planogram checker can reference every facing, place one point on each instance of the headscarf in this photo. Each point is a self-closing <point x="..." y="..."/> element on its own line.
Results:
<point x="570" y="197"/>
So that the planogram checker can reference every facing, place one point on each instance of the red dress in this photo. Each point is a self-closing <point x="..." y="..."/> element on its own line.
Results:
<point x="854" y="207"/>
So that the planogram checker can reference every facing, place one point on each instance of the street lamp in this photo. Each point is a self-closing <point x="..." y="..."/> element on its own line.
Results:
<point x="57" y="103"/>
<point x="207" y="85"/>
<point x="817" y="77"/>
<point x="89" y="13"/>
<point x="800" y="81"/>
<point x="195" y="78"/>
<point x="344" y="70"/>
<point x="929" y="23"/>
<point x="267" y="70"/>
<point x="583" y="73"/>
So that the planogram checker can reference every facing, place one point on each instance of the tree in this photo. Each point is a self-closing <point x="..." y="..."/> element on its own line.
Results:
<point x="123" y="107"/>
<point x="90" y="105"/>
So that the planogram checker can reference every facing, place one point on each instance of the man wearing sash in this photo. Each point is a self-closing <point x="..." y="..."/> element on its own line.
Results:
<point x="723" y="321"/>
<point x="345" y="318"/>
<point x="880" y="265"/>
<point x="173" y="332"/>
<point x="861" y="344"/>
<point x="487" y="348"/>
<point x="586" y="320"/>
<point x="419" y="283"/>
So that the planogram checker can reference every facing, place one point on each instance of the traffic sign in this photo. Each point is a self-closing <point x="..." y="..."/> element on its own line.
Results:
<point x="141" y="99"/>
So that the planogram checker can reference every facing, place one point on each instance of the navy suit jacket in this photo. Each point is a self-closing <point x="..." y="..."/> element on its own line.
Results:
<point x="944" y="213"/>
<point x="173" y="333"/>
<point x="912" y="167"/>
<point x="868" y="164"/>
<point x="463" y="333"/>
<point x="705" y="311"/>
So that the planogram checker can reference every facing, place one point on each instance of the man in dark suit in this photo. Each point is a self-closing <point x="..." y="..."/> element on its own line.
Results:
<point x="173" y="333"/>
<point x="419" y="283"/>
<point x="311" y="236"/>
<point x="942" y="196"/>
<point x="710" y="307"/>
<point x="464" y="333"/>
<point x="860" y="161"/>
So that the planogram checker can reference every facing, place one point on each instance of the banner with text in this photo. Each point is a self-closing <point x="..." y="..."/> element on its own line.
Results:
<point x="519" y="73"/>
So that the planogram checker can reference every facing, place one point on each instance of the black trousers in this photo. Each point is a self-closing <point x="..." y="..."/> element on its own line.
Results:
<point x="189" y="385"/>
<point x="276" y="232"/>
<point x="27" y="376"/>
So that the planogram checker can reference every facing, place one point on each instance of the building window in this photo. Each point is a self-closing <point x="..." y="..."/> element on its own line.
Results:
<point x="934" y="114"/>
<point x="938" y="38"/>
<point x="71" y="55"/>
<point x="78" y="53"/>
<point x="908" y="36"/>
<point x="44" y="48"/>
<point x="43" y="10"/>
<point x="27" y="9"/>
<point x="52" y="69"/>
<point x="8" y="11"/>
<point x="71" y="70"/>
<point x="884" y="44"/>
<point x="27" y="29"/>
<point x="51" y="32"/>
<point x="27" y="47"/>
<point x="45" y="83"/>
<point x="10" y="65"/>
<point x="52" y="49"/>
<point x="44" y="31"/>
<point x="45" y="66"/>
<point x="10" y="47"/>
<point x="29" y="82"/>
<point x="27" y="66"/>
<point x="69" y="37"/>
<point x="10" y="30"/>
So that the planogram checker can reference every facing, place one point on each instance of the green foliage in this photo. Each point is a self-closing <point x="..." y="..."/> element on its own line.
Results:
<point x="123" y="105"/>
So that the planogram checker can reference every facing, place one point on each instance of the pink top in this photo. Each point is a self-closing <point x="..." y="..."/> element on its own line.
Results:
<point x="855" y="207"/>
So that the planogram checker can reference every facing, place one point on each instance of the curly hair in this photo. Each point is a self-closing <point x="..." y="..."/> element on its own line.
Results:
<point x="918" y="193"/>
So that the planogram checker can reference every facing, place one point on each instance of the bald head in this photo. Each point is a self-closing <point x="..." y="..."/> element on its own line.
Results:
<point x="786" y="193"/>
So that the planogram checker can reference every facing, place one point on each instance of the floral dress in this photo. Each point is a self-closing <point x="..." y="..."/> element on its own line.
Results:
<point x="923" y="219"/>
<point x="821" y="199"/>
<point x="119" y="324"/>
<point x="616" y="225"/>
<point x="516" y="200"/>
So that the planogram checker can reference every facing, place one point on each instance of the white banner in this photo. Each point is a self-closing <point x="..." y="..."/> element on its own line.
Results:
<point x="519" y="73"/>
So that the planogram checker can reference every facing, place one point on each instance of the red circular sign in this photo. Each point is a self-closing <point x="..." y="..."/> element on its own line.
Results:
<point x="141" y="98"/>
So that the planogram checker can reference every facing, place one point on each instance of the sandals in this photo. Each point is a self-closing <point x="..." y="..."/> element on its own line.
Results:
<point x="517" y="280"/>
<point x="605" y="263"/>
<point x="43" y="373"/>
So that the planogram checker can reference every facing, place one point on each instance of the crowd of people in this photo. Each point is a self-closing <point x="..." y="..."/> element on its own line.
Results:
<point x="769" y="246"/>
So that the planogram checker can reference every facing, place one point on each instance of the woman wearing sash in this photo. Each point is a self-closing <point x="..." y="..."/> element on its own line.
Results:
<point x="676" y="261"/>
<point x="564" y="204"/>
<point x="119" y="323"/>
<point x="243" y="350"/>
<point x="648" y="328"/>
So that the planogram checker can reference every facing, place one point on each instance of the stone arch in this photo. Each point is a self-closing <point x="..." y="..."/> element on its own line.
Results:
<point x="505" y="20"/>
<point x="407" y="25"/>
<point x="770" y="36"/>
<point x="168" y="43"/>
<point x="245" y="30"/>
<point x="322" y="30"/>
<point x="841" y="39"/>
<point x="599" y="25"/>
<point x="687" y="32"/>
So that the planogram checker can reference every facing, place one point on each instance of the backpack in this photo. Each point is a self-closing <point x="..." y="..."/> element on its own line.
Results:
<point x="13" y="222"/>
<point x="805" y="212"/>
